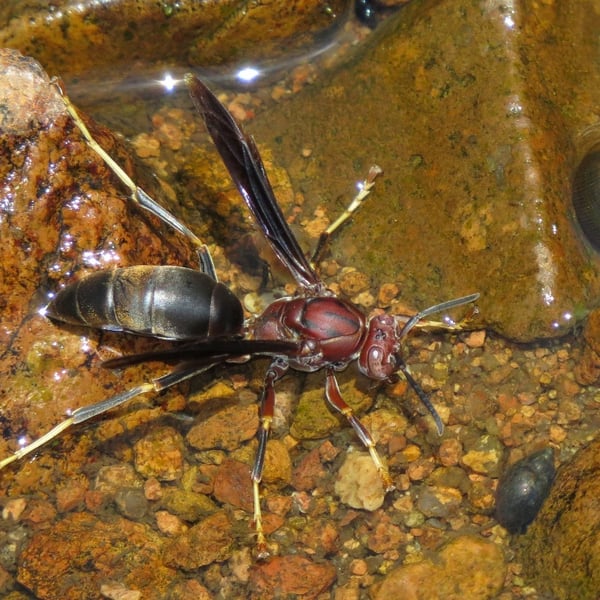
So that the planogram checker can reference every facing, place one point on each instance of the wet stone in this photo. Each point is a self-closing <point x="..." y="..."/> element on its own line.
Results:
<point x="72" y="559"/>
<point x="467" y="567"/>
<point x="131" y="503"/>
<point x="358" y="483"/>
<point x="278" y="464"/>
<point x="169" y="524"/>
<point x="450" y="452"/>
<point x="71" y="495"/>
<point x="66" y="217"/>
<point x="435" y="501"/>
<point x="233" y="485"/>
<point x="383" y="535"/>
<point x="285" y="576"/>
<point x="481" y="494"/>
<point x="13" y="509"/>
<point x="5" y="579"/>
<point x="190" y="589"/>
<point x="485" y="456"/>
<point x="277" y="467"/>
<point x="320" y="536"/>
<point x="309" y="471"/>
<point x="108" y="38"/>
<point x="560" y="551"/>
<point x="186" y="504"/>
<point x="38" y="512"/>
<point x="209" y="541"/>
<point x="226" y="429"/>
<point x="313" y="419"/>
<point x="152" y="489"/>
<point x="385" y="424"/>
<point x="112" y="478"/>
<point x="444" y="223"/>
<point x="352" y="282"/>
<point x="117" y="591"/>
<point x="160" y="454"/>
<point x="419" y="469"/>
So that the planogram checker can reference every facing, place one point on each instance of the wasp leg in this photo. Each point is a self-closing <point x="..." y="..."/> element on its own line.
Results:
<point x="87" y="412"/>
<point x="335" y="400"/>
<point x="437" y="308"/>
<point x="137" y="194"/>
<point x="276" y="371"/>
<point x="365" y="189"/>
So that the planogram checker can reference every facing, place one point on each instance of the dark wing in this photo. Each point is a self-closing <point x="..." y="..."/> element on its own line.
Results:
<point x="242" y="159"/>
<point x="209" y="351"/>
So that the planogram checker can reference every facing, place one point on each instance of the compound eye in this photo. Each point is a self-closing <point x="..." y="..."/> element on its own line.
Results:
<point x="378" y="364"/>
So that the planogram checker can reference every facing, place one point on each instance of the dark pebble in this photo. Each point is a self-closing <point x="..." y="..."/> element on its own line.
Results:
<point x="523" y="489"/>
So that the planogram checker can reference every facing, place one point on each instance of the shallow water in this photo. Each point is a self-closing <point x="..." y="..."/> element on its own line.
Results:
<point x="499" y="401"/>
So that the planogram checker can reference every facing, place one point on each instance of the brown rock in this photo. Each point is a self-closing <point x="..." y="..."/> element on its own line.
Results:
<point x="13" y="509"/>
<point x="591" y="331"/>
<point x="72" y="494"/>
<point x="309" y="471"/>
<point x="467" y="567"/>
<point x="278" y="464"/>
<point x="451" y="228"/>
<point x="169" y="524"/>
<point x="160" y="454"/>
<point x="67" y="218"/>
<point x="73" y="558"/>
<point x="105" y="39"/>
<point x="476" y="339"/>
<point x="5" y="579"/>
<point x="587" y="370"/>
<point x="561" y="550"/>
<point x="384" y="536"/>
<point x="420" y="469"/>
<point x="113" y="477"/>
<point x="437" y="501"/>
<point x="190" y="590"/>
<point x="209" y="541"/>
<point x="352" y="282"/>
<point x="188" y="505"/>
<point x="284" y="576"/>
<point x="450" y="452"/>
<point x="233" y="484"/>
<point x="38" y="512"/>
<point x="117" y="591"/>
<point x="226" y="429"/>
<point x="485" y="455"/>
<point x="320" y="537"/>
<point x="313" y="419"/>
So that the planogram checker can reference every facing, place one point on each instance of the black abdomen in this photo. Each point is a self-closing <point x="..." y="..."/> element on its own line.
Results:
<point x="160" y="301"/>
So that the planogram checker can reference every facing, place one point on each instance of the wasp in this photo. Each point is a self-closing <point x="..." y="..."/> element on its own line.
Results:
<point x="312" y="330"/>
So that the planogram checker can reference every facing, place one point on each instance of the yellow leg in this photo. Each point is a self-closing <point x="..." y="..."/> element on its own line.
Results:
<point x="137" y="194"/>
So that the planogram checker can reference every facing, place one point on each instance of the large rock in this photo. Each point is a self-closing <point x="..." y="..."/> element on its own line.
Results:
<point x="77" y="557"/>
<point x="62" y="215"/>
<point x="478" y="113"/>
<point x="466" y="567"/>
<point x="561" y="550"/>
<point x="109" y="40"/>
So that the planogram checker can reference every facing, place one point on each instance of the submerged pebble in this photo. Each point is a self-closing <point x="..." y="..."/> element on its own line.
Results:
<point x="359" y="484"/>
<point x="523" y="489"/>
